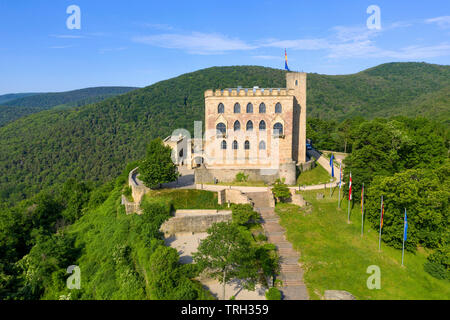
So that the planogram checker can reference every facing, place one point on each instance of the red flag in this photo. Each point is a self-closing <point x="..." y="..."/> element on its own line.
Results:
<point x="350" y="188"/>
<point x="382" y="215"/>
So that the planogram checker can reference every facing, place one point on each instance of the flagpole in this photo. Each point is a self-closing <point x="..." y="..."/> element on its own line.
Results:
<point x="349" y="197"/>
<point x="381" y="217"/>
<point x="362" y="212"/>
<point x="340" y="184"/>
<point x="404" y="231"/>
<point x="349" y="202"/>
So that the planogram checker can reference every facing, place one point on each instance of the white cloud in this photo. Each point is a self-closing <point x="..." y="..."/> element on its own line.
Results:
<point x="443" y="22"/>
<point x="66" y="36"/>
<point x="105" y="50"/>
<point x="195" y="43"/>
<point x="61" y="47"/>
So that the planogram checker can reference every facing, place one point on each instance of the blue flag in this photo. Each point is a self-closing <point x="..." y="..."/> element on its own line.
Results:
<point x="405" y="230"/>
<point x="332" y="165"/>
<point x="286" y="61"/>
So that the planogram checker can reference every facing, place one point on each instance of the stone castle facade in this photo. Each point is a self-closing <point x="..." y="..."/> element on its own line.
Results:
<point x="259" y="132"/>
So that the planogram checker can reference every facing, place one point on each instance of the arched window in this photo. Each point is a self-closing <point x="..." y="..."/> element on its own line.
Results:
<point x="262" y="145"/>
<point x="237" y="108"/>
<point x="237" y="126"/>
<point x="235" y="145"/>
<point x="262" y="108"/>
<point x="249" y="108"/>
<point x="278" y="129"/>
<point x="221" y="108"/>
<point x="221" y="128"/>
<point x="262" y="125"/>
<point x="223" y="145"/>
<point x="278" y="108"/>
<point x="249" y="126"/>
<point x="247" y="145"/>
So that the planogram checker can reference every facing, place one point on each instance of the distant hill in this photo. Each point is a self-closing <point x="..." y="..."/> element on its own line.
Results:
<point x="96" y="141"/>
<point x="15" y="106"/>
<point x="13" y="96"/>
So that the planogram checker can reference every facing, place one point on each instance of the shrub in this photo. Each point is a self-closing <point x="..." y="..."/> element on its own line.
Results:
<point x="241" y="177"/>
<point x="273" y="294"/>
<point x="281" y="191"/>
<point x="243" y="214"/>
<point x="437" y="264"/>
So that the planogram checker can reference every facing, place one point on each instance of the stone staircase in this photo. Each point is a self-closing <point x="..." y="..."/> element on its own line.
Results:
<point x="291" y="273"/>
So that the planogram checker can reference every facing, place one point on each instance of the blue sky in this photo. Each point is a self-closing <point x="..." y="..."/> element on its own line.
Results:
<point x="137" y="42"/>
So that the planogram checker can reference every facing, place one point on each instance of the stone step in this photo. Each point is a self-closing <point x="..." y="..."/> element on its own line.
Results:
<point x="289" y="261"/>
<point x="283" y="245"/>
<point x="290" y="283"/>
<point x="273" y="227"/>
<point x="273" y="234"/>
<point x="277" y="239"/>
<point x="295" y="292"/>
<point x="290" y="268"/>
<point x="288" y="252"/>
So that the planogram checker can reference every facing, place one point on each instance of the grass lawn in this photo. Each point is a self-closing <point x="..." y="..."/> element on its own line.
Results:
<point x="335" y="256"/>
<point x="318" y="175"/>
<point x="187" y="198"/>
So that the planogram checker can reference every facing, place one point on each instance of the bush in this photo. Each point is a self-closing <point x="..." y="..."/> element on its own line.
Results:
<point x="281" y="191"/>
<point x="273" y="294"/>
<point x="243" y="214"/>
<point x="437" y="264"/>
<point x="241" y="177"/>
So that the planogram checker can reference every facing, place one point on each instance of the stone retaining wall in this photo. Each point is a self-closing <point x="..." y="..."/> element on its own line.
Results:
<point x="194" y="221"/>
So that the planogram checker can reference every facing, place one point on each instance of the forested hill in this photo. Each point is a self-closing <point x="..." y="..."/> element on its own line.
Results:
<point x="96" y="141"/>
<point x="13" y="96"/>
<point x="73" y="98"/>
<point x="15" y="106"/>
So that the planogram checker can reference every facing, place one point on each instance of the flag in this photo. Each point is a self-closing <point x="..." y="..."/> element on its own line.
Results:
<point x="332" y="165"/>
<point x="405" y="229"/>
<point x="350" y="188"/>
<point x="286" y="61"/>
<point x="362" y="200"/>
<point x="340" y="175"/>
<point x="382" y="214"/>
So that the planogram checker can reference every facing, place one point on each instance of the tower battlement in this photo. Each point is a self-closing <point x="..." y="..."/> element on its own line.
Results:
<point x="249" y="92"/>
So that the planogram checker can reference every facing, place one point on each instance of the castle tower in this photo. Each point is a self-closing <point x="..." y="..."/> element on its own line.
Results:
<point x="297" y="82"/>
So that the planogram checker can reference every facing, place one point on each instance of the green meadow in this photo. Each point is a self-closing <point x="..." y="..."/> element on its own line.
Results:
<point x="334" y="256"/>
<point x="318" y="175"/>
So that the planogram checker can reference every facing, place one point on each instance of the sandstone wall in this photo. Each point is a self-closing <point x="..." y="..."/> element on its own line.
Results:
<point x="194" y="221"/>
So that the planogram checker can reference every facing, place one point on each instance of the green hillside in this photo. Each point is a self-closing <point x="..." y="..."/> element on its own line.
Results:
<point x="95" y="142"/>
<point x="13" y="96"/>
<point x="15" y="106"/>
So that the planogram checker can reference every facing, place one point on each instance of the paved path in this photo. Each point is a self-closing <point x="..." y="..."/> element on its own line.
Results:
<point x="291" y="273"/>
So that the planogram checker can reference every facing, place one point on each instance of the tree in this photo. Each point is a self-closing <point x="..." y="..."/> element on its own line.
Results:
<point x="157" y="167"/>
<point x="227" y="255"/>
<point x="281" y="191"/>
<point x="243" y="214"/>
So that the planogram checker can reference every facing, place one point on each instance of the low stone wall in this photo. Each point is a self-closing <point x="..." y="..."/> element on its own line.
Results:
<point x="311" y="164"/>
<point x="286" y="171"/>
<point x="131" y="207"/>
<point x="194" y="221"/>
<point x="297" y="199"/>
<point x="232" y="196"/>
<point x="137" y="190"/>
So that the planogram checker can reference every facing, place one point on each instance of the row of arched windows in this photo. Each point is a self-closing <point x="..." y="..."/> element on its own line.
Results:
<point x="249" y="109"/>
<point x="235" y="145"/>
<point x="221" y="128"/>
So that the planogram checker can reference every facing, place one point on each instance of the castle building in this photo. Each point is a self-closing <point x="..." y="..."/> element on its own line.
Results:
<point x="258" y="132"/>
